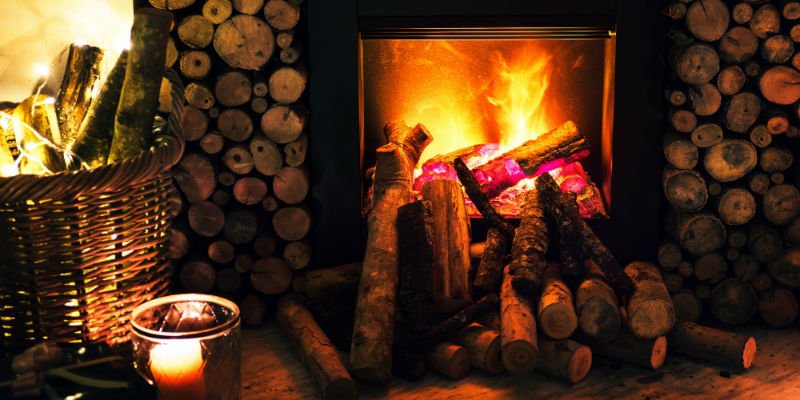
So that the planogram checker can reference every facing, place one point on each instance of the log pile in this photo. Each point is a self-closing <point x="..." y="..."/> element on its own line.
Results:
<point x="243" y="179"/>
<point x="730" y="179"/>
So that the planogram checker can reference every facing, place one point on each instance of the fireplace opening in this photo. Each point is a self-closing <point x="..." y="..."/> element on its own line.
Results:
<point x="485" y="92"/>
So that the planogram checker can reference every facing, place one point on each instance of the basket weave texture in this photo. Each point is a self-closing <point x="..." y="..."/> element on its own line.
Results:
<point x="79" y="250"/>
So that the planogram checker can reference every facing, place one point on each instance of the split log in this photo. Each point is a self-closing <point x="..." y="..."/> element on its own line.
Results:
<point x="760" y="136"/>
<point x="221" y="251"/>
<point x="688" y="306"/>
<point x="564" y="142"/>
<point x="669" y="255"/>
<point x="707" y="20"/>
<point x="730" y="160"/>
<point x="731" y="80"/>
<point x="696" y="64"/>
<point x="766" y="21"/>
<point x="239" y="160"/>
<point x="373" y="330"/>
<point x="138" y="102"/>
<point x="295" y="152"/>
<point x="264" y="246"/>
<point x="287" y="84"/>
<point x="489" y="276"/>
<point x="519" y="348"/>
<point x="758" y="182"/>
<point x="736" y="206"/>
<point x="597" y="307"/>
<point x="484" y="346"/>
<point x="779" y="84"/>
<point x="449" y="359"/>
<point x="728" y="349"/>
<point x="270" y="276"/>
<point x="283" y="123"/>
<point x="195" y="123"/>
<point x="566" y="359"/>
<point x="745" y="267"/>
<point x="228" y="280"/>
<point x="233" y="88"/>
<point x="195" y="31"/>
<point x="680" y="152"/>
<point x="786" y="269"/>
<point x="315" y="349"/>
<point x="764" y="242"/>
<point x="253" y="310"/>
<point x="199" y="95"/>
<point x="710" y="266"/>
<point x="329" y="284"/>
<point x="481" y="200"/>
<point x="781" y="204"/>
<point x="529" y="246"/>
<point x="178" y="244"/>
<point x="290" y="185"/>
<point x="244" y="41"/>
<point x="217" y="11"/>
<point x="704" y="99"/>
<point x="682" y="120"/>
<point x="75" y="94"/>
<point x="197" y="276"/>
<point x="451" y="237"/>
<point x="733" y="302"/>
<point x="741" y="111"/>
<point x="778" y="307"/>
<point x="281" y="15"/>
<point x="235" y="124"/>
<point x="249" y="7"/>
<point x="94" y="138"/>
<point x="195" y="175"/>
<point x="171" y="4"/>
<point x="266" y="155"/>
<point x="649" y="310"/>
<point x="249" y="190"/>
<point x="648" y="353"/>
<point x="206" y="218"/>
<point x="563" y="209"/>
<point x="415" y="233"/>
<point x="775" y="159"/>
<point x="556" y="310"/>
<point x="685" y="189"/>
<point x="742" y="13"/>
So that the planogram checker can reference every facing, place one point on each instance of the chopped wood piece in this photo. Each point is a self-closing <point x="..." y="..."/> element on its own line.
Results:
<point x="315" y="349"/>
<point x="779" y="84"/>
<point x="566" y="359"/>
<point x="449" y="359"/>
<point x="556" y="310"/>
<point x="195" y="123"/>
<point x="736" y="206"/>
<point x="529" y="246"/>
<point x="239" y="160"/>
<point x="297" y="255"/>
<point x="733" y="302"/>
<point x="416" y="258"/>
<point x="206" y="218"/>
<point x="682" y="120"/>
<point x="253" y="310"/>
<point x="212" y="143"/>
<point x="742" y="13"/>
<point x="287" y="84"/>
<point x="283" y="123"/>
<point x="241" y="226"/>
<point x="221" y="197"/>
<point x="707" y="20"/>
<point x="75" y="94"/>
<point x="281" y="15"/>
<point x="781" y="204"/>
<point x="264" y="246"/>
<point x="696" y="64"/>
<point x="786" y="269"/>
<point x="725" y="348"/>
<point x="259" y="105"/>
<point x="290" y="185"/>
<point x="698" y="233"/>
<point x="244" y="41"/>
<point x="707" y="135"/>
<point x="745" y="267"/>
<point x="672" y="281"/>
<point x="458" y="321"/>
<point x="243" y="262"/>
<point x="329" y="284"/>
<point x="217" y="11"/>
<point x="171" y="4"/>
<point x="519" y="347"/>
<point x="738" y="45"/>
<point x="685" y="189"/>
<point x="195" y="31"/>
<point x="766" y="21"/>
<point x="752" y="68"/>
<point x="270" y="276"/>
<point x="649" y="310"/>
<point x="266" y="155"/>
<point x="178" y="244"/>
<point x="269" y="204"/>
<point x="764" y="242"/>
<point x="680" y="152"/>
<point x="481" y="201"/>
<point x="710" y="265"/>
<point x="778" y="307"/>
<point x="489" y="276"/>
<point x="249" y="190"/>
<point x="775" y="159"/>
<point x="296" y="151"/>
<point x="221" y="251"/>
<point x="484" y="346"/>
<point x="199" y="96"/>
<point x="235" y="124"/>
<point x="760" y="136"/>
<point x="731" y="80"/>
<point x="741" y="111"/>
<point x="197" y="276"/>
<point x="669" y="255"/>
<point x="284" y="39"/>
<point x="758" y="182"/>
<point x="688" y="306"/>
<point x="704" y="99"/>
<point x="597" y="307"/>
<point x="792" y="233"/>
<point x="195" y="176"/>
<point x="249" y="7"/>
<point x="648" y="353"/>
<point x="730" y="160"/>
<point x="232" y="89"/>
<point x="291" y="54"/>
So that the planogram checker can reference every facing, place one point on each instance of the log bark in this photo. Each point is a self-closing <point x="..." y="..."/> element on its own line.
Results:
<point x="217" y="11"/>
<point x="94" y="138"/>
<point x="780" y="84"/>
<point x="685" y="189"/>
<point x="249" y="190"/>
<point x="197" y="276"/>
<point x="291" y="223"/>
<point x="529" y="246"/>
<point x="287" y="84"/>
<point x="75" y="94"/>
<point x="696" y="64"/>
<point x="233" y="88"/>
<point x="195" y="123"/>
<point x="786" y="269"/>
<point x="730" y="160"/>
<point x="556" y="310"/>
<point x="597" y="307"/>
<point x="195" y="31"/>
<point x="221" y="251"/>
<point x="206" y="218"/>
<point x="315" y="349"/>
<point x="484" y="346"/>
<point x="649" y="310"/>
<point x="519" y="346"/>
<point x="266" y="155"/>
<point x="290" y="185"/>
<point x="731" y="80"/>
<point x="728" y="349"/>
<point x="199" y="95"/>
<point x="244" y="41"/>
<point x="781" y="204"/>
<point x="481" y="200"/>
<point x="566" y="359"/>
<point x="449" y="359"/>
<point x="239" y="160"/>
<point x="704" y="99"/>
<point x="281" y="15"/>
<point x="283" y="123"/>
<point x="648" y="353"/>
<point x="270" y="276"/>
<point x="707" y="20"/>
<point x="195" y="176"/>
<point x="733" y="302"/>
<point x="680" y="152"/>
<point x="741" y="111"/>
<point x="766" y="21"/>
<point x="778" y="307"/>
<point x="489" y="276"/>
<point x="415" y="233"/>
<point x="688" y="306"/>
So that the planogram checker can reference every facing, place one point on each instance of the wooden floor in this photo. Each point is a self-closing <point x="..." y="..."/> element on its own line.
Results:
<point x="270" y="370"/>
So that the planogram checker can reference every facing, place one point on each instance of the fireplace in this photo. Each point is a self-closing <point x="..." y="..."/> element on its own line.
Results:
<point x="622" y="120"/>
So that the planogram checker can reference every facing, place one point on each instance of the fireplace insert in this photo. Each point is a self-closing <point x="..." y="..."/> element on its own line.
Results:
<point x="615" y="48"/>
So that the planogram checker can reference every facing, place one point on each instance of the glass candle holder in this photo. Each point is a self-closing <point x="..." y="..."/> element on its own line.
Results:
<point x="187" y="346"/>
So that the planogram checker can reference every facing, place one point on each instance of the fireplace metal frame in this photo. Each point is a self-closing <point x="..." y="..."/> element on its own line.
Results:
<point x="338" y="233"/>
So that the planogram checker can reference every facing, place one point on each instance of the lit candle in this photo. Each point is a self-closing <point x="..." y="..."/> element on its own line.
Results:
<point x="177" y="369"/>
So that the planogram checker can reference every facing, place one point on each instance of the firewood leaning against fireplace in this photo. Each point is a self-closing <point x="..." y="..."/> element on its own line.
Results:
<point x="371" y="349"/>
<point x="416" y="258"/>
<point x="520" y="349"/>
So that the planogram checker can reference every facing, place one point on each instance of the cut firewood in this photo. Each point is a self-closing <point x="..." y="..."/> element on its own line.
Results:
<point x="707" y="20"/>
<point x="239" y="160"/>
<point x="648" y="353"/>
<point x="195" y="176"/>
<point x="685" y="189"/>
<point x="291" y="223"/>
<point x="489" y="276"/>
<point x="259" y="105"/>
<point x="745" y="267"/>
<point x="284" y="39"/>
<point x="281" y="15"/>
<point x="672" y="281"/>
<point x="682" y="120"/>
<point x="730" y="160"/>
<point x="249" y="7"/>
<point x="733" y="302"/>
<point x="707" y="135"/>
<point x="287" y="84"/>
<point x="779" y="84"/>
<point x="195" y="31"/>
<point x="704" y="99"/>
<point x="283" y="123"/>
<point x="244" y="41"/>
<point x="758" y="182"/>
<point x="233" y="88"/>
<point x="649" y="310"/>
<point x="679" y="151"/>
<point x="709" y="266"/>
<point x="178" y="244"/>
<point x="764" y="242"/>
<point x="556" y="310"/>
<point x="519" y="347"/>
<point x="566" y="359"/>
<point x="596" y="305"/>
<point x="75" y="95"/>
<point x="217" y="11"/>
<point x="206" y="218"/>
<point x="315" y="349"/>
<point x="792" y="233"/>
<point x="454" y="324"/>
<point x="266" y="155"/>
<point x="221" y="197"/>
<point x="781" y="204"/>
<point x="264" y="246"/>
<point x="696" y="64"/>
<point x="171" y="4"/>
<point x="685" y="268"/>
<point x="199" y="95"/>
<point x="728" y="349"/>
<point x="766" y="21"/>
<point x="243" y="262"/>
<point x="775" y="159"/>
<point x="291" y="54"/>
<point x="297" y="254"/>
<point x="416" y="259"/>
<point x="290" y="185"/>
<point x="235" y="124"/>
<point x="688" y="306"/>
<point x="221" y="251"/>
<point x="249" y="190"/>
<point x="786" y="269"/>
<point x="195" y="123"/>
<point x="270" y="276"/>
<point x="778" y="307"/>
<point x="241" y="226"/>
<point x="675" y="10"/>
<point x="484" y="347"/>
<point x="197" y="276"/>
<point x="760" y="136"/>
<point x="669" y="255"/>
<point x="35" y="130"/>
<point x="742" y="13"/>
<point x="449" y="359"/>
<point x="738" y="45"/>
<point x="295" y="152"/>
<point x="481" y="201"/>
<point x="731" y="80"/>
<point x="741" y="111"/>
<point x="329" y="284"/>
<point x="451" y="237"/>
<point x="736" y="206"/>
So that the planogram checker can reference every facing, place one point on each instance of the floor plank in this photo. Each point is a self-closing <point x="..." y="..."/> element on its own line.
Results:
<point x="270" y="370"/>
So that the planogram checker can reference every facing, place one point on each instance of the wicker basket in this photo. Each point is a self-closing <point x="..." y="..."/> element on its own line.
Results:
<point x="80" y="250"/>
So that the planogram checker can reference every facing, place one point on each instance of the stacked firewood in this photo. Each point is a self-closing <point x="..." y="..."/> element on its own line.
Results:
<point x="730" y="178"/>
<point x="243" y="178"/>
<point x="544" y="295"/>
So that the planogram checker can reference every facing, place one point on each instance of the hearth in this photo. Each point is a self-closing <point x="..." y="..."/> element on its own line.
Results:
<point x="346" y="36"/>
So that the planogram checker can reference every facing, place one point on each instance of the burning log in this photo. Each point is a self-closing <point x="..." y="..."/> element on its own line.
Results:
<point x="416" y="258"/>
<point x="556" y="309"/>
<point x="649" y="310"/>
<point x="558" y="147"/>
<point x="519" y="347"/>
<point x="725" y="348"/>
<point x="529" y="247"/>
<point x="481" y="201"/>
<point x="489" y="276"/>
<point x="315" y="349"/>
<point x="566" y="359"/>
<point x="597" y="307"/>
<point x="75" y="95"/>
<point x="138" y="100"/>
<point x="373" y="330"/>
